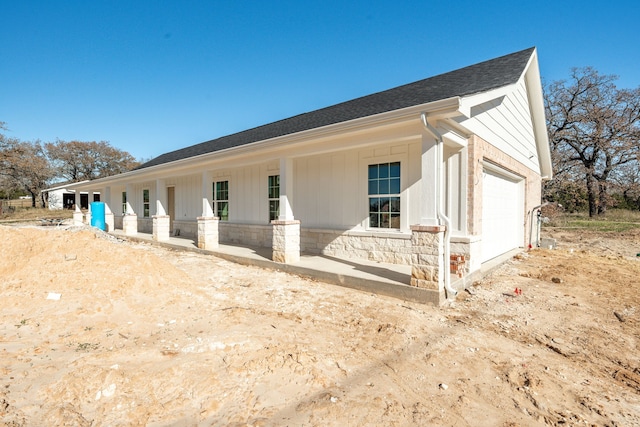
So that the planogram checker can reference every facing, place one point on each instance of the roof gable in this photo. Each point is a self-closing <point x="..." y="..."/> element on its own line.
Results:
<point x="477" y="78"/>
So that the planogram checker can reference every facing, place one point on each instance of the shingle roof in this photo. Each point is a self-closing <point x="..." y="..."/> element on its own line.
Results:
<point x="470" y="80"/>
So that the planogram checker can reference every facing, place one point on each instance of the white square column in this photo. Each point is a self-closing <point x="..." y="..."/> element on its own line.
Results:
<point x="130" y="219"/>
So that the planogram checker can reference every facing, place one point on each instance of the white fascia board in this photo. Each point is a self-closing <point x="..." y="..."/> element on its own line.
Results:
<point x="68" y="186"/>
<point x="443" y="108"/>
<point x="536" y="105"/>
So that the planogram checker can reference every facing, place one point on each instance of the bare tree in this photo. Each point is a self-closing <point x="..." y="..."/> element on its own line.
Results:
<point x="594" y="129"/>
<point x="78" y="161"/>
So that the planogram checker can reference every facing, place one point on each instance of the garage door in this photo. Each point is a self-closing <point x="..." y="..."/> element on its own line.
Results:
<point x="502" y="212"/>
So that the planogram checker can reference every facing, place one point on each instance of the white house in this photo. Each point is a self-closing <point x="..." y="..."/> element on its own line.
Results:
<point x="441" y="174"/>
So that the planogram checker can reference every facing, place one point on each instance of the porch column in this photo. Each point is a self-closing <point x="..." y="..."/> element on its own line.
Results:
<point x="430" y="181"/>
<point x="207" y="194"/>
<point x="130" y="219"/>
<point x="77" y="213"/>
<point x="427" y="238"/>
<point x="108" y="214"/>
<point x="161" y="221"/>
<point x="427" y="247"/>
<point x="286" y="230"/>
<point x="87" y="216"/>
<point x="286" y="189"/>
<point x="208" y="236"/>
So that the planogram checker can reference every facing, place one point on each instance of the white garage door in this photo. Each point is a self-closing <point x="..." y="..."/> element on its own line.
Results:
<point x="502" y="212"/>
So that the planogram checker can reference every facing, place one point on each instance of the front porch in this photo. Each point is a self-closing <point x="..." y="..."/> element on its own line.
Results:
<point x="376" y="277"/>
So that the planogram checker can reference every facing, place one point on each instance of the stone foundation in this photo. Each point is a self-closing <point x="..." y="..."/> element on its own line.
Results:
<point x="78" y="217"/>
<point x="246" y="234"/>
<point x="130" y="224"/>
<point x="109" y="221"/>
<point x="286" y="241"/>
<point x="394" y="248"/>
<point x="161" y="226"/>
<point x="427" y="263"/>
<point x="185" y="229"/>
<point x="208" y="235"/>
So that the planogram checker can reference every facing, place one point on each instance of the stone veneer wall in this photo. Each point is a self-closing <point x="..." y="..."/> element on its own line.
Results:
<point x="382" y="247"/>
<point x="187" y="228"/>
<point x="145" y="225"/>
<point x="246" y="234"/>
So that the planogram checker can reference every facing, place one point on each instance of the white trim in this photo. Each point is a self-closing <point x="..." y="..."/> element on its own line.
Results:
<point x="496" y="169"/>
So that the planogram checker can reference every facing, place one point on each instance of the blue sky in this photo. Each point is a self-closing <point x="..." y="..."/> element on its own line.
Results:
<point x="153" y="76"/>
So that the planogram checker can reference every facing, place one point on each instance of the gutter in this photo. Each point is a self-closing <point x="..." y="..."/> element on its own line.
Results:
<point x="441" y="216"/>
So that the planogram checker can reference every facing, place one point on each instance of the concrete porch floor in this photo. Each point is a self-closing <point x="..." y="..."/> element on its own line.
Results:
<point x="369" y="276"/>
<point x="380" y="278"/>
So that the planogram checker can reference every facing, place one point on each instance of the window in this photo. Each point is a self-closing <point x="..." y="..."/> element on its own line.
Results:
<point x="221" y="199"/>
<point x="384" y="195"/>
<point x="145" y="203"/>
<point x="274" y="197"/>
<point x="124" y="202"/>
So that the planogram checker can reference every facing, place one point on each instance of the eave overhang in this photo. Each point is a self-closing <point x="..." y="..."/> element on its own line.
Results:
<point x="445" y="108"/>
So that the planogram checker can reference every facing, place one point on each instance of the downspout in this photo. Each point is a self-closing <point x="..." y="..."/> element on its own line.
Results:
<point x="441" y="216"/>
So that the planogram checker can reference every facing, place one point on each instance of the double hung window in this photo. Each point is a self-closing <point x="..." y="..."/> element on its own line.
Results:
<point x="274" y="197"/>
<point x="145" y="203"/>
<point x="221" y="199"/>
<point x="384" y="195"/>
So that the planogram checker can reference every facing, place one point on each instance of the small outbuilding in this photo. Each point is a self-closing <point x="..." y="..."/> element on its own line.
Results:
<point x="61" y="197"/>
<point x="441" y="174"/>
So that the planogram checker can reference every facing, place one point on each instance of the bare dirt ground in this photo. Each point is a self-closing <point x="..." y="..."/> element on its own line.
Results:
<point x="95" y="331"/>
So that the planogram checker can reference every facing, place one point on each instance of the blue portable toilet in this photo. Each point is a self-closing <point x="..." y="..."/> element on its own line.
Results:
<point x="97" y="216"/>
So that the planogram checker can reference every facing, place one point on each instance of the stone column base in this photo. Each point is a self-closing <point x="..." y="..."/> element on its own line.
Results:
<point x="208" y="237"/>
<point x="427" y="249"/>
<point x="109" y="221"/>
<point x="77" y="218"/>
<point x="87" y="217"/>
<point x="130" y="224"/>
<point x="161" y="226"/>
<point x="286" y="241"/>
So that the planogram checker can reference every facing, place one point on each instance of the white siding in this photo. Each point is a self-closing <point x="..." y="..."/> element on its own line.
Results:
<point x="115" y="201"/>
<point x="455" y="193"/>
<point x="248" y="193"/>
<point x="331" y="189"/>
<point x="508" y="126"/>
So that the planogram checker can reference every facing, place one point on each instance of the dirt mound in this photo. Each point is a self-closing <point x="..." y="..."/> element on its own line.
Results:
<point x="98" y="331"/>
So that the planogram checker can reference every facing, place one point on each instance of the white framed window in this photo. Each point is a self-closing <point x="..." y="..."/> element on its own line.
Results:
<point x="145" y="203"/>
<point x="124" y="202"/>
<point x="384" y="195"/>
<point x="221" y="200"/>
<point x="274" y="197"/>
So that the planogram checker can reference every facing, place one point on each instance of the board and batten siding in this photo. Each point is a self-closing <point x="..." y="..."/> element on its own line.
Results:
<point x="507" y="125"/>
<point x="331" y="190"/>
<point x="248" y="193"/>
